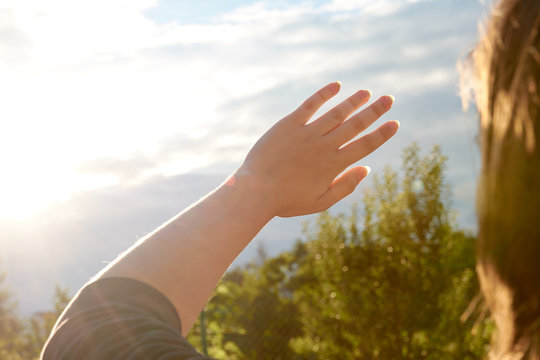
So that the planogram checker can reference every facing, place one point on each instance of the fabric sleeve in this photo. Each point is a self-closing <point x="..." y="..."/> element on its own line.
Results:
<point x="119" y="318"/>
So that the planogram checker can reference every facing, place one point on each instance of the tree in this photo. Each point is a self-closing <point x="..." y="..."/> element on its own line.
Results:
<point x="395" y="289"/>
<point x="252" y="315"/>
<point x="11" y="325"/>
<point x="396" y="283"/>
<point x="22" y="338"/>
<point x="39" y="325"/>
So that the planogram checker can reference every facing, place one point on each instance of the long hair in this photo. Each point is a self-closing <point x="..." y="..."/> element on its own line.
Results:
<point x="506" y="85"/>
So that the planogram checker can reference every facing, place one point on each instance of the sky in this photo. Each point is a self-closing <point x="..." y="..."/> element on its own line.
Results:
<point x="117" y="114"/>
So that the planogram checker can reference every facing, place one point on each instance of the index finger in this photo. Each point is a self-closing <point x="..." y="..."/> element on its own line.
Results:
<point x="315" y="101"/>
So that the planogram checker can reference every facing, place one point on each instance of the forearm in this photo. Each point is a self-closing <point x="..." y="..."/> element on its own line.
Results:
<point x="186" y="257"/>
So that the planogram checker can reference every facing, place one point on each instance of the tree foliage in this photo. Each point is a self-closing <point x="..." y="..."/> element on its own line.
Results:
<point x="393" y="283"/>
<point x="23" y="338"/>
<point x="11" y="325"/>
<point x="40" y="324"/>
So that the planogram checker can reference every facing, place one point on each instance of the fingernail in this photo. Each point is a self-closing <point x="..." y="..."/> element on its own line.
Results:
<point x="365" y="93"/>
<point x="389" y="100"/>
<point x="360" y="178"/>
<point x="334" y="86"/>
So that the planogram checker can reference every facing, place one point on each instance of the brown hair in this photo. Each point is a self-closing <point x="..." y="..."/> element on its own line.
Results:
<point x="506" y="69"/>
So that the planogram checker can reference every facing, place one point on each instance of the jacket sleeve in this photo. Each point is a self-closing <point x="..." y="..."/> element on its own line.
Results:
<point x="119" y="318"/>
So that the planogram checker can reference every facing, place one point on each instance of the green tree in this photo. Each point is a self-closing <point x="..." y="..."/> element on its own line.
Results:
<point x="397" y="282"/>
<point x="23" y="338"/>
<point x="39" y="325"/>
<point x="11" y="325"/>
<point x="395" y="289"/>
<point x="252" y="313"/>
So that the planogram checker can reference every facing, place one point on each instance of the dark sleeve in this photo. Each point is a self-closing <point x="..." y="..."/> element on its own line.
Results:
<point x="119" y="318"/>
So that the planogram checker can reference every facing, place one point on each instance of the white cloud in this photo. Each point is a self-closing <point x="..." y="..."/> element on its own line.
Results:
<point x="96" y="80"/>
<point x="379" y="7"/>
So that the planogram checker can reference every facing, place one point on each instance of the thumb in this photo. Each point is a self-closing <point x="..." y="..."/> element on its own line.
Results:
<point x="343" y="186"/>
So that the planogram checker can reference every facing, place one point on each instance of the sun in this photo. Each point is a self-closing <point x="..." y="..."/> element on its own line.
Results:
<point x="27" y="190"/>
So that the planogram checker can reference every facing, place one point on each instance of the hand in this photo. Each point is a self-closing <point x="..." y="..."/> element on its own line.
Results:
<point x="295" y="164"/>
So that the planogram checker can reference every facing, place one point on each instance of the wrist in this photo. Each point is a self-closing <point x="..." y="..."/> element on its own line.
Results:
<point x="254" y="190"/>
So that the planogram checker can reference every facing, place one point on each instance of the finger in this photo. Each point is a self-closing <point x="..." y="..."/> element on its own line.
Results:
<point x="362" y="147"/>
<point x="338" y="114"/>
<point x="361" y="121"/>
<point x="315" y="101"/>
<point x="343" y="186"/>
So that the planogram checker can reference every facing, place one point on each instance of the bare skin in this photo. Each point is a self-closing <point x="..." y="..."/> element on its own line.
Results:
<point x="292" y="170"/>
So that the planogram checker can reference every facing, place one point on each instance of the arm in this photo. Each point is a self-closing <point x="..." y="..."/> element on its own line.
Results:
<point x="290" y="171"/>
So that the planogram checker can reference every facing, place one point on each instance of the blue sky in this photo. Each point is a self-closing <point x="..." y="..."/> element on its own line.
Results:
<point x="118" y="114"/>
<point x="197" y="12"/>
<point x="190" y="12"/>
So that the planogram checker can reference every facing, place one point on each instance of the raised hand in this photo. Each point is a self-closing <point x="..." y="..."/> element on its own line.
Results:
<point x="295" y="164"/>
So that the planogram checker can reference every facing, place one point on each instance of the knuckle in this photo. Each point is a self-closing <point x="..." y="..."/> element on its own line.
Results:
<point x="357" y="99"/>
<point x="377" y="109"/>
<point x="321" y="97"/>
<point x="353" y="102"/>
<point x="372" y="140"/>
<point x="382" y="135"/>
<point x="345" y="156"/>
<point x="309" y="104"/>
<point x="337" y="116"/>
<point x="313" y="102"/>
<point x="329" y="148"/>
<point x="351" y="184"/>
<point x="370" y="114"/>
<point x="357" y="125"/>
